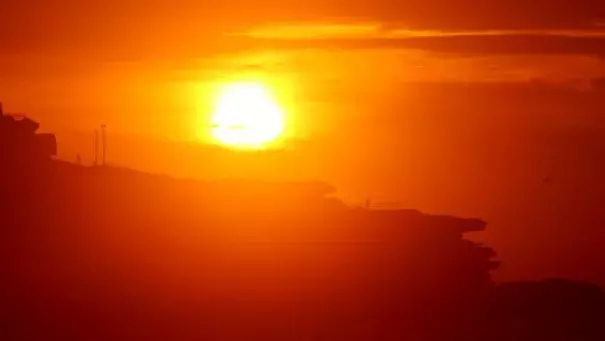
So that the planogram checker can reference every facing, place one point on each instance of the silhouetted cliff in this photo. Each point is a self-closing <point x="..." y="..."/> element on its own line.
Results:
<point x="103" y="253"/>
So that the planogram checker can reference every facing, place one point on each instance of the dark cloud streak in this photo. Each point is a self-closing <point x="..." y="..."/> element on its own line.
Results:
<point x="484" y="14"/>
<point x="137" y="29"/>
<point x="479" y="44"/>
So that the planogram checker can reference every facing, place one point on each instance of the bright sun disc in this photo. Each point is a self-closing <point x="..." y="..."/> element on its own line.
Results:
<point x="246" y="116"/>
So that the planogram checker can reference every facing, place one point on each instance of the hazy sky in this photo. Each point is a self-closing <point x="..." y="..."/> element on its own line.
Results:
<point x="121" y="58"/>
<point x="451" y="106"/>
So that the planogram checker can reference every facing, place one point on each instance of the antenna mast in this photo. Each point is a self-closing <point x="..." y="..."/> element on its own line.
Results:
<point x="104" y="138"/>
<point x="96" y="147"/>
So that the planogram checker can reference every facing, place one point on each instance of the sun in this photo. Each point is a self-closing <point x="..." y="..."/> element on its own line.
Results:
<point x="246" y="116"/>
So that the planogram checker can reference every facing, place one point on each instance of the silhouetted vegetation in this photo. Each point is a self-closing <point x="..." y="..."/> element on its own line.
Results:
<point x="103" y="253"/>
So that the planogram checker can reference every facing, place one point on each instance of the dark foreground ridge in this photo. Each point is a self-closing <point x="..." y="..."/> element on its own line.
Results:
<point x="103" y="253"/>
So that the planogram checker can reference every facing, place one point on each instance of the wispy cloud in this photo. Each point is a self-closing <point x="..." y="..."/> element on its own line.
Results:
<point x="486" y="42"/>
<point x="376" y="30"/>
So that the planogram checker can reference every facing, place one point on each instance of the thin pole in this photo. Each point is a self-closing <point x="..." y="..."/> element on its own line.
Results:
<point x="104" y="137"/>
<point x="96" y="147"/>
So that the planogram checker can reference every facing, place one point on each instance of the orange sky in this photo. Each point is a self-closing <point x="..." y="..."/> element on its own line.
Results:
<point x="458" y="107"/>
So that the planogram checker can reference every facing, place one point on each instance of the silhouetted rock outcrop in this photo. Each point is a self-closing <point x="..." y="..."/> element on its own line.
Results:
<point x="20" y="145"/>
<point x="102" y="253"/>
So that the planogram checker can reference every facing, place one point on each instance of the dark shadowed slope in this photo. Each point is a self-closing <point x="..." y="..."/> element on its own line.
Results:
<point x="102" y="253"/>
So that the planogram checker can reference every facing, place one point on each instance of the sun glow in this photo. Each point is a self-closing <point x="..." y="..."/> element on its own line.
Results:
<point x="246" y="116"/>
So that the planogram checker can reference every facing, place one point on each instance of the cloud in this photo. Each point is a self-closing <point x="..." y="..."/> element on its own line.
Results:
<point x="469" y="43"/>
<point x="181" y="29"/>
<point x="482" y="14"/>
<point x="77" y="18"/>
